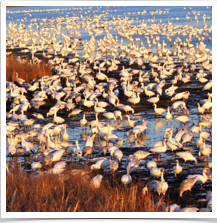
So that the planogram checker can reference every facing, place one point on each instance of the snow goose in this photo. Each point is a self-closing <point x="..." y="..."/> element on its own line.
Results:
<point x="151" y="164"/>
<point x="83" y="121"/>
<point x="133" y="166"/>
<point x="118" y="155"/>
<point x="157" y="186"/>
<point x="130" y="122"/>
<point x="140" y="154"/>
<point x="186" y="156"/>
<point x="154" y="100"/>
<point x="205" y="150"/>
<point x="183" y="118"/>
<point x="101" y="104"/>
<point x="112" y="149"/>
<point x="109" y="115"/>
<point x="134" y="100"/>
<point x="114" y="165"/>
<point x="186" y="185"/>
<point x="200" y="179"/>
<point x="173" y="208"/>
<point x="172" y="143"/>
<point x="126" y="179"/>
<point x="101" y="76"/>
<point x="89" y="103"/>
<point x="189" y="209"/>
<point x="208" y="86"/>
<point x="58" y="168"/>
<point x="100" y="164"/>
<point x="155" y="171"/>
<point x="158" y="111"/>
<point x="104" y="128"/>
<point x="12" y="147"/>
<point x="117" y="114"/>
<point x="88" y="148"/>
<point x="159" y="149"/>
<point x="96" y="181"/>
<point x="26" y="146"/>
<point x="169" y="116"/>
<point x="207" y="105"/>
<point x="200" y="110"/>
<point x="187" y="137"/>
<point x="65" y="135"/>
<point x="77" y="151"/>
<point x="54" y="156"/>
<point x="199" y="142"/>
<point x="127" y="108"/>
<point x="36" y="165"/>
<point x="148" y="93"/>
<point x="14" y="116"/>
<point x="98" y="109"/>
<point x="57" y="119"/>
<point x="94" y="122"/>
<point x="177" y="169"/>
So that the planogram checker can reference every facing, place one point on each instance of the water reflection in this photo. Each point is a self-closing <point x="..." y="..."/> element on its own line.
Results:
<point x="159" y="124"/>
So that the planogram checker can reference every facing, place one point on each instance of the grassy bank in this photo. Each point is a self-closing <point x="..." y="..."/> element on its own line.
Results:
<point x="68" y="193"/>
<point x="26" y="69"/>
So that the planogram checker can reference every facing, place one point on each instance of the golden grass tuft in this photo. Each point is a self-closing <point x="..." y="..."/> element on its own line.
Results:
<point x="68" y="193"/>
<point x="26" y="69"/>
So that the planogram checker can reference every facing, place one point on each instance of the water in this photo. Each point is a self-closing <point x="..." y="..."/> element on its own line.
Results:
<point x="135" y="14"/>
<point x="156" y="126"/>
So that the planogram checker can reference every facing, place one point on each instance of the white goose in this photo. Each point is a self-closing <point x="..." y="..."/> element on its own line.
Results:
<point x="96" y="181"/>
<point x="26" y="146"/>
<point x="159" y="149"/>
<point x="172" y="143"/>
<point x="154" y="100"/>
<point x="114" y="165"/>
<point x="87" y="103"/>
<point x="134" y="100"/>
<point x="183" y="118"/>
<point x="83" y="121"/>
<point x="177" y="169"/>
<point x="118" y="155"/>
<point x="155" y="171"/>
<point x="58" y="119"/>
<point x="98" y="109"/>
<point x="157" y="186"/>
<point x="205" y="150"/>
<point x="187" y="137"/>
<point x="65" y="135"/>
<point x="148" y="93"/>
<point x="169" y="116"/>
<point x="109" y="115"/>
<point x="126" y="179"/>
<point x="200" y="179"/>
<point x="100" y="164"/>
<point x="127" y="108"/>
<point x="101" y="104"/>
<point x="130" y="122"/>
<point x="186" y="156"/>
<point x="186" y="185"/>
<point x="200" y="110"/>
<point x="159" y="111"/>
<point x="12" y="147"/>
<point x="77" y="151"/>
<point x="14" y="116"/>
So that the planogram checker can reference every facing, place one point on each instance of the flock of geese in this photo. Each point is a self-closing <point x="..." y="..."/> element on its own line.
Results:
<point x="111" y="81"/>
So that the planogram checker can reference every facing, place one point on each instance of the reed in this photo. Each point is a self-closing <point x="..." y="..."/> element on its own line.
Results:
<point x="68" y="193"/>
<point x="26" y="69"/>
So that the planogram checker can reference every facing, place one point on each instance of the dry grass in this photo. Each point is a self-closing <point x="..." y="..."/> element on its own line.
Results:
<point x="52" y="193"/>
<point x="25" y="69"/>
